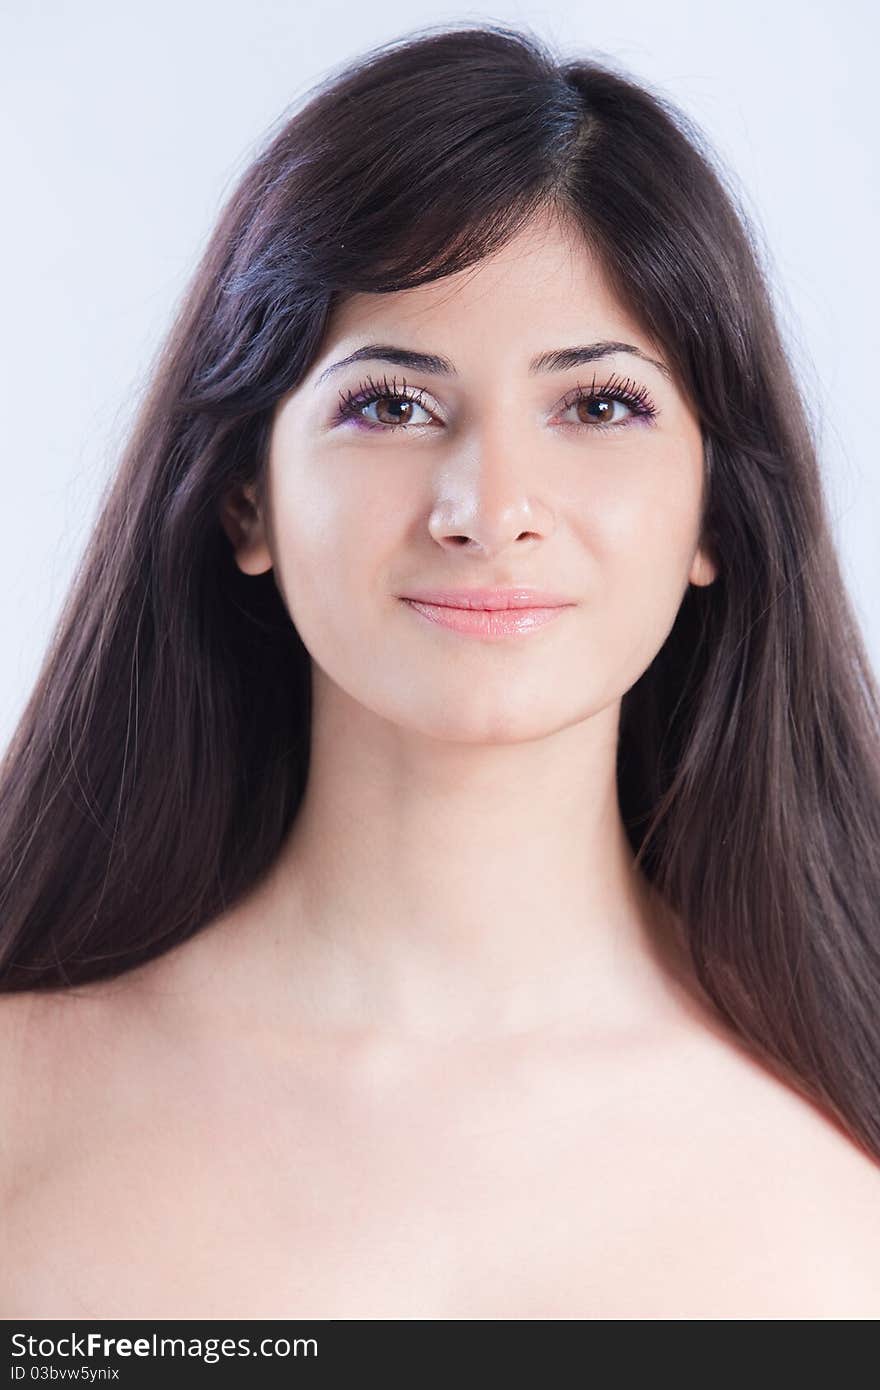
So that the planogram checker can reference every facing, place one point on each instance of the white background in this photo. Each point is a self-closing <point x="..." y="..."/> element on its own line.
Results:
<point x="124" y="128"/>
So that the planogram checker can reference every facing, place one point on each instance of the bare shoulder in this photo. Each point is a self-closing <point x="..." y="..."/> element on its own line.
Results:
<point x="72" y="1064"/>
<point x="59" y="1051"/>
<point x="36" y="1058"/>
<point x="20" y="1045"/>
<point x="803" y="1183"/>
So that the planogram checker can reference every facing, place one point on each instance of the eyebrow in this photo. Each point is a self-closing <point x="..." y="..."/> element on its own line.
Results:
<point x="557" y="360"/>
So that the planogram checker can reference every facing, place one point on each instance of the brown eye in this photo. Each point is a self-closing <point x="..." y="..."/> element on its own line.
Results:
<point x="614" y="405"/>
<point x="392" y="410"/>
<point x="599" y="410"/>
<point x="395" y="407"/>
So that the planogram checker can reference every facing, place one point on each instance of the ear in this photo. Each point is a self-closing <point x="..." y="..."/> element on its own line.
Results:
<point x="241" y="520"/>
<point x="704" y="569"/>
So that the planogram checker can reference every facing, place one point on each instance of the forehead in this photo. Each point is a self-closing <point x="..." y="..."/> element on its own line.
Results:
<point x="544" y="279"/>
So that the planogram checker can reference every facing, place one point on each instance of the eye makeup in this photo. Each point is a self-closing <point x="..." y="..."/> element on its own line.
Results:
<point x="616" y="390"/>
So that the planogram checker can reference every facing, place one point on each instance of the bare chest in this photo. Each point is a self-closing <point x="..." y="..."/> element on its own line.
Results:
<point x="493" y="1197"/>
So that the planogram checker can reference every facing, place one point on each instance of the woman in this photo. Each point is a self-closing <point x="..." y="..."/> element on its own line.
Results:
<point x="440" y="853"/>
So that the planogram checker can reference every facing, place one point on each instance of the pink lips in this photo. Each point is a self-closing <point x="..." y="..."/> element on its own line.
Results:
<point x="488" y="612"/>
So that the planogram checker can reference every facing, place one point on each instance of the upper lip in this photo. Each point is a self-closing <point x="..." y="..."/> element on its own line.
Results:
<point x="489" y="599"/>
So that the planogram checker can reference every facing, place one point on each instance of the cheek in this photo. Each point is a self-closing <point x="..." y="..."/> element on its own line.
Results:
<point x="642" y="542"/>
<point x="332" y="545"/>
<point x="644" y="518"/>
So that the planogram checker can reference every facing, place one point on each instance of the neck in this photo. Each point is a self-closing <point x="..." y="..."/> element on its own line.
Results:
<point x="444" y="889"/>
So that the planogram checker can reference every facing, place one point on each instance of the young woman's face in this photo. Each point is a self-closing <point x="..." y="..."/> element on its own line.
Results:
<point x="496" y="476"/>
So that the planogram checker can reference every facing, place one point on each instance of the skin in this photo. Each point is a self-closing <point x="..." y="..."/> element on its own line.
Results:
<point x="455" y="780"/>
<point x="447" y="1059"/>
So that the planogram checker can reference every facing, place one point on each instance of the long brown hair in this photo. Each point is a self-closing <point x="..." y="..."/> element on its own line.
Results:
<point x="163" y="752"/>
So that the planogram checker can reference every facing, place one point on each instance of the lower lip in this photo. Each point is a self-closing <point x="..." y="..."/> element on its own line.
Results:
<point x="487" y="623"/>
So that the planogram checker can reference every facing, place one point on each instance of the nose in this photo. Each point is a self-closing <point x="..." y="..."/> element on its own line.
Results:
<point x="486" y="501"/>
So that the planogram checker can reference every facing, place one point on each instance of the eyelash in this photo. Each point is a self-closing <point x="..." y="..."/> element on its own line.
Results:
<point x="624" y="389"/>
